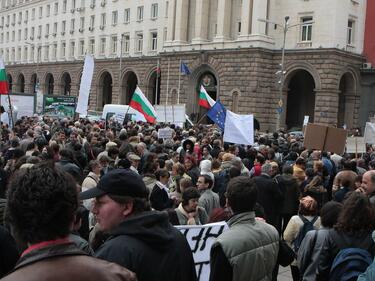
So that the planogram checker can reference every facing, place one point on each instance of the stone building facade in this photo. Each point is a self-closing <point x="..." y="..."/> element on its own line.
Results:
<point x="235" y="57"/>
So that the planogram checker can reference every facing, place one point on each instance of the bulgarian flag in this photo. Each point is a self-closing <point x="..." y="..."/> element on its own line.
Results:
<point x="140" y="103"/>
<point x="204" y="99"/>
<point x="3" y="79"/>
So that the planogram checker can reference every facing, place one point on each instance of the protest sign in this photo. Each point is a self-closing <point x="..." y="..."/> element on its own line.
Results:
<point x="174" y="114"/>
<point x="24" y="103"/>
<point x="325" y="138"/>
<point x="355" y="145"/>
<point x="166" y="133"/>
<point x="370" y="133"/>
<point x="201" y="238"/>
<point x="59" y="106"/>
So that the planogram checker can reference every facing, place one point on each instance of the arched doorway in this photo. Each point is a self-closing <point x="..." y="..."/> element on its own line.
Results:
<point x="21" y="83"/>
<point x="209" y="82"/>
<point x="105" y="86"/>
<point x="66" y="84"/>
<point x="49" y="84"/>
<point x="301" y="99"/>
<point x="154" y="84"/>
<point x="130" y="82"/>
<point x="33" y="82"/>
<point x="10" y="82"/>
<point x="345" y="111"/>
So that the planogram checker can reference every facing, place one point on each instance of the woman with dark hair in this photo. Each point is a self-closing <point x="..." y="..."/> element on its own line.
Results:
<point x="353" y="230"/>
<point x="188" y="212"/>
<point x="311" y="246"/>
<point x="308" y="210"/>
<point x="160" y="197"/>
<point x="191" y="168"/>
<point x="316" y="190"/>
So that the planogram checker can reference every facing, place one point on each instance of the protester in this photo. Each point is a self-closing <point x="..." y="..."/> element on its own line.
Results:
<point x="248" y="250"/>
<point x="137" y="235"/>
<point x="40" y="209"/>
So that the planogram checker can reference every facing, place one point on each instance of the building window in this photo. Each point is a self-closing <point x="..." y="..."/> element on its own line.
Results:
<point x="72" y="22"/>
<point x="64" y="8"/>
<point x="19" y="17"/>
<point x="92" y="22"/>
<point x="81" y="47"/>
<point x="127" y="15"/>
<point x="114" y="18"/>
<point x="54" y="51"/>
<point x="26" y="33"/>
<point x="13" y="36"/>
<point x="26" y="16"/>
<point x="102" y="46"/>
<point x="47" y="29"/>
<point x="166" y="8"/>
<point x="81" y="24"/>
<point x="350" y="32"/>
<point x="19" y="54"/>
<point x="46" y="53"/>
<point x="103" y="19"/>
<point x="139" y="42"/>
<point x="25" y="49"/>
<point x="63" y="26"/>
<point x="19" y="35"/>
<point x="32" y="33"/>
<point x="140" y="13"/>
<point x="239" y="27"/>
<point x="126" y="45"/>
<point x="113" y="44"/>
<point x="40" y="12"/>
<point x="63" y="50"/>
<point x="55" y="28"/>
<point x="154" y="41"/>
<point x="72" y="49"/>
<point x="48" y="10"/>
<point x="73" y="4"/>
<point x="92" y="46"/>
<point x="154" y="11"/>
<point x="306" y="34"/>
<point x="56" y="8"/>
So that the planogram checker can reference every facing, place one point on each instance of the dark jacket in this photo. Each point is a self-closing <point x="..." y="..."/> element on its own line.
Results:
<point x="64" y="262"/>
<point x="8" y="252"/>
<point x="159" y="199"/>
<point x="270" y="197"/>
<point x="194" y="174"/>
<point x="337" y="241"/>
<point x="289" y="187"/>
<point x="151" y="247"/>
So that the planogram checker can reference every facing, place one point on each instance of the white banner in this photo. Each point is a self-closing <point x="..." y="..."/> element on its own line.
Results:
<point x="239" y="129"/>
<point x="174" y="114"/>
<point x="24" y="105"/>
<point x="355" y="145"/>
<point x="370" y="133"/>
<point x="166" y="133"/>
<point x="84" y="89"/>
<point x="201" y="238"/>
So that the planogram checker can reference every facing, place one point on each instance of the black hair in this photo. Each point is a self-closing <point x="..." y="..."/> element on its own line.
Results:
<point x="208" y="179"/>
<point x="189" y="193"/>
<point x="242" y="194"/>
<point x="41" y="203"/>
<point x="329" y="213"/>
<point x="161" y="173"/>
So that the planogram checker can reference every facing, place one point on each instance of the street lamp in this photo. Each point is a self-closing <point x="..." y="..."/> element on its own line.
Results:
<point x="281" y="72"/>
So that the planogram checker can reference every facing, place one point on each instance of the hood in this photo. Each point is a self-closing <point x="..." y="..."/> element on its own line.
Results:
<point x="153" y="228"/>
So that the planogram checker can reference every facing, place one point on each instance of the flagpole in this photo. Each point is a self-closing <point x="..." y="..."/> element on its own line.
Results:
<point x="157" y="82"/>
<point x="200" y="120"/>
<point x="179" y="83"/>
<point x="11" y="111"/>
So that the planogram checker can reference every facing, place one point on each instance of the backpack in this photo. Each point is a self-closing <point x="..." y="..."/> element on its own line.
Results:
<point x="306" y="227"/>
<point x="349" y="263"/>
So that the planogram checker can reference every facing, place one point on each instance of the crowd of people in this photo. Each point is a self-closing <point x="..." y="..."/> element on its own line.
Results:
<point x="81" y="197"/>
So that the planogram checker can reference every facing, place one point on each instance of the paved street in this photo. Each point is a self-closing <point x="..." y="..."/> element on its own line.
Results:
<point x="284" y="274"/>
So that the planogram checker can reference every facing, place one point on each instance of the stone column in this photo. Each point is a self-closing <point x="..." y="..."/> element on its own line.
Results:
<point x="259" y="12"/>
<point x="201" y="21"/>
<point x="326" y="106"/>
<point x="246" y="18"/>
<point x="182" y="8"/>
<point x="171" y="20"/>
<point x="223" y="20"/>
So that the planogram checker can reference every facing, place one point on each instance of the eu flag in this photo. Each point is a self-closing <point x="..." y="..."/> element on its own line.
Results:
<point x="217" y="114"/>
<point x="184" y="69"/>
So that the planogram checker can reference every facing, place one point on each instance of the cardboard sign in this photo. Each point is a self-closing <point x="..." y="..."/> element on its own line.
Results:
<point x="166" y="133"/>
<point x="201" y="238"/>
<point x="355" y="145"/>
<point x="325" y="138"/>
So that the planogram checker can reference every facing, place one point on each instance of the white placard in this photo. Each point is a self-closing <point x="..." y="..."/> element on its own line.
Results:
<point x="174" y="114"/>
<point x="239" y="129"/>
<point x="166" y="133"/>
<point x="306" y="120"/>
<point x="201" y="238"/>
<point x="355" y="145"/>
<point x="24" y="104"/>
<point x="370" y="133"/>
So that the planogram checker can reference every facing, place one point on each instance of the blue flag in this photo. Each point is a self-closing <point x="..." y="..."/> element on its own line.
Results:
<point x="184" y="69"/>
<point x="217" y="114"/>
